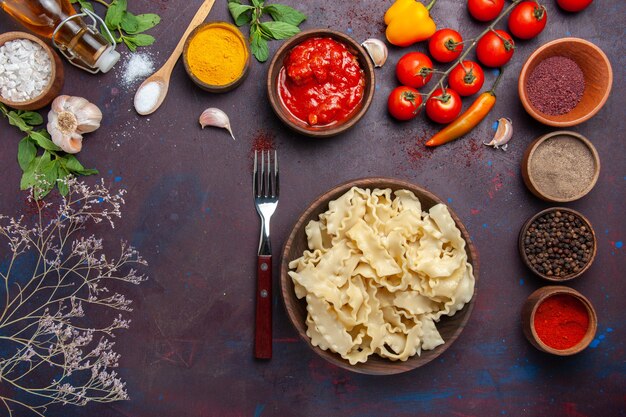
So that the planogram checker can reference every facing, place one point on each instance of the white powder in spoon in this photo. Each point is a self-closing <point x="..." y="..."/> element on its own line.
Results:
<point x="147" y="97"/>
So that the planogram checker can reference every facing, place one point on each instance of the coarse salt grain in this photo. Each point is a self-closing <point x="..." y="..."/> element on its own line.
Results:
<point x="147" y="97"/>
<point x="25" y="70"/>
<point x="137" y="66"/>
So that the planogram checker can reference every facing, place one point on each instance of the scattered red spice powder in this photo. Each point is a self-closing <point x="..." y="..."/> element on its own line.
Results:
<point x="561" y="321"/>
<point x="262" y="141"/>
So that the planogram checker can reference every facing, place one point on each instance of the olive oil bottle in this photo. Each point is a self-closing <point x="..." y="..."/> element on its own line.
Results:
<point x="57" y="20"/>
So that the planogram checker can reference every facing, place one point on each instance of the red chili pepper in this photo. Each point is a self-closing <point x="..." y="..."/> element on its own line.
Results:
<point x="469" y="119"/>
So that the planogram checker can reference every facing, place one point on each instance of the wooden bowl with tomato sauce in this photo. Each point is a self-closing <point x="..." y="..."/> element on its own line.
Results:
<point x="277" y="79"/>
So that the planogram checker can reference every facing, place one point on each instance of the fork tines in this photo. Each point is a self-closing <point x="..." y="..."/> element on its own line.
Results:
<point x="265" y="184"/>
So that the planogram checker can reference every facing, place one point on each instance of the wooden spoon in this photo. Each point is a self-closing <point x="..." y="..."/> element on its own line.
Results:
<point x="161" y="77"/>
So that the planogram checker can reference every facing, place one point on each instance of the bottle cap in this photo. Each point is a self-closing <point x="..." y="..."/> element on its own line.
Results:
<point x="108" y="59"/>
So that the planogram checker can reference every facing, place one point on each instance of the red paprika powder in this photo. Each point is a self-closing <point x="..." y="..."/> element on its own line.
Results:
<point x="561" y="321"/>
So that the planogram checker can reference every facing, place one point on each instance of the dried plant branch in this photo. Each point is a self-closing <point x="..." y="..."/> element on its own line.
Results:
<point x="51" y="352"/>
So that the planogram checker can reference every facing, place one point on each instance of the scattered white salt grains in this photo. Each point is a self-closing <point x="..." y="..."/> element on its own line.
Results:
<point x="25" y="70"/>
<point x="137" y="66"/>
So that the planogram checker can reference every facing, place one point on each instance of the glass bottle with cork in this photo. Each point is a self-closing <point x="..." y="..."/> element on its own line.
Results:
<point x="57" y="20"/>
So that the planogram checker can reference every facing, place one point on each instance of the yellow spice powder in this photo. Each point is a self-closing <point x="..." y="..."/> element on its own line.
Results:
<point x="216" y="56"/>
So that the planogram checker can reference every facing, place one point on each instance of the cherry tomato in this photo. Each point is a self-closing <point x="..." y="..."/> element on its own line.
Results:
<point x="445" y="45"/>
<point x="573" y="5"/>
<point x="493" y="50"/>
<point x="414" y="69"/>
<point x="403" y="102"/>
<point x="485" y="10"/>
<point x="444" y="107"/>
<point x="527" y="20"/>
<point x="466" y="78"/>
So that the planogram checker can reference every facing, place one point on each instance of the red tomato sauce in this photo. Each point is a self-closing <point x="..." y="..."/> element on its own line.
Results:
<point x="321" y="82"/>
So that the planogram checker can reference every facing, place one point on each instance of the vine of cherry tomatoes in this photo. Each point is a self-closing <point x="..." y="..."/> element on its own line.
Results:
<point x="494" y="49"/>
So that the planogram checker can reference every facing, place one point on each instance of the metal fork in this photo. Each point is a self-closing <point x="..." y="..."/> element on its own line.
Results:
<point x="265" y="187"/>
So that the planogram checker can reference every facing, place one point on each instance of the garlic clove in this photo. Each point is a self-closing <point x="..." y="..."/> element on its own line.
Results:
<point x="503" y="135"/>
<point x="58" y="105"/>
<point x="88" y="118"/>
<point x="216" y="118"/>
<point x="70" y="143"/>
<point x="377" y="50"/>
<point x="75" y="104"/>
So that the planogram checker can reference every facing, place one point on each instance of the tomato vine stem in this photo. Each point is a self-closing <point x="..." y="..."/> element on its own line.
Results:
<point x="466" y="52"/>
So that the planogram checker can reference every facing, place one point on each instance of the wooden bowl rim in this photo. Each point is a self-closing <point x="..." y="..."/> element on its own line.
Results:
<point x="10" y="36"/>
<point x="332" y="130"/>
<point x="544" y="118"/>
<point x="532" y="218"/>
<point x="289" y="299"/>
<point x="544" y="293"/>
<point x="210" y="87"/>
<point x="532" y="148"/>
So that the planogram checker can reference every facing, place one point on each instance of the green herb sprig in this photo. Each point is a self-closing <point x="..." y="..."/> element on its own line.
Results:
<point x="41" y="172"/>
<point x="284" y="23"/>
<point x="128" y="26"/>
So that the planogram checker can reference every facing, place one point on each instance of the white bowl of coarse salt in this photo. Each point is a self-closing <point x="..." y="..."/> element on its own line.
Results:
<point x="31" y="73"/>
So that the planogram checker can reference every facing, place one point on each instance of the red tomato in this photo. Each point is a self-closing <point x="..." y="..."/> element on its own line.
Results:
<point x="485" y="10"/>
<point x="493" y="50"/>
<point x="466" y="78"/>
<point x="403" y="102"/>
<point x="414" y="69"/>
<point x="573" y="5"/>
<point x="444" y="107"/>
<point x="527" y="20"/>
<point x="445" y="45"/>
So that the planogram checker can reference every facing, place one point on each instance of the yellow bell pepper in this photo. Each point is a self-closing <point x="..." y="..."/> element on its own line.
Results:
<point x="409" y="21"/>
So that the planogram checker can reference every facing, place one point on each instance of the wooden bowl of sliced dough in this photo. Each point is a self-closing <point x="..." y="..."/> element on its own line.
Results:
<point x="448" y="327"/>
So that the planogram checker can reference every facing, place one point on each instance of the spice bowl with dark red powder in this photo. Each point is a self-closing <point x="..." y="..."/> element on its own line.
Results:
<point x="558" y="244"/>
<point x="320" y="83"/>
<point x="559" y="320"/>
<point x="565" y="82"/>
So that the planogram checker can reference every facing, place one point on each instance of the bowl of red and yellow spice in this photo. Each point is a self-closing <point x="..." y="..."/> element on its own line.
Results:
<point x="320" y="83"/>
<point x="216" y="56"/>
<point x="559" y="320"/>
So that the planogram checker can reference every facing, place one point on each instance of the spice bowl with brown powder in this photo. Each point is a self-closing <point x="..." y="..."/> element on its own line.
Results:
<point x="565" y="82"/>
<point x="561" y="166"/>
<point x="216" y="56"/>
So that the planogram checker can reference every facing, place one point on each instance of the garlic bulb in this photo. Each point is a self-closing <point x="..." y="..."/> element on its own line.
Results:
<point x="69" y="118"/>
<point x="377" y="50"/>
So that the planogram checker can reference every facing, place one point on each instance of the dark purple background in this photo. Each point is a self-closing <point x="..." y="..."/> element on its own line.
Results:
<point x="189" y="211"/>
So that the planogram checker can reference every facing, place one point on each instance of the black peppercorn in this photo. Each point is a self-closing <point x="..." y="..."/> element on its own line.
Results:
<point x="558" y="244"/>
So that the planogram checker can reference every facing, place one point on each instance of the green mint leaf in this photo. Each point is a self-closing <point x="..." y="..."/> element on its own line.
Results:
<point x="279" y="30"/>
<point x="26" y="153"/>
<point x="129" y="44"/>
<point x="285" y="14"/>
<point x="84" y="4"/>
<point x="62" y="174"/>
<point x="16" y="120"/>
<point x="42" y="138"/>
<point x="28" y="177"/>
<point x="242" y="14"/>
<point x="145" y="22"/>
<point x="71" y="164"/>
<point x="115" y="14"/>
<point x="129" y="22"/>
<point x="258" y="46"/>
<point x="140" y="39"/>
<point x="31" y="118"/>
<point x="257" y="3"/>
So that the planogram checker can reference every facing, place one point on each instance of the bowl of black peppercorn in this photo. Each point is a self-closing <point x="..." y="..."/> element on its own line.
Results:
<point x="558" y="244"/>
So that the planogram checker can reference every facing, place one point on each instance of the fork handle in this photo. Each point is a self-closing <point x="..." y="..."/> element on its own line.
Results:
<point x="263" y="327"/>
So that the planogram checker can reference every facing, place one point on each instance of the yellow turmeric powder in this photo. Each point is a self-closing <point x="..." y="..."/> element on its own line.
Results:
<point x="217" y="55"/>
